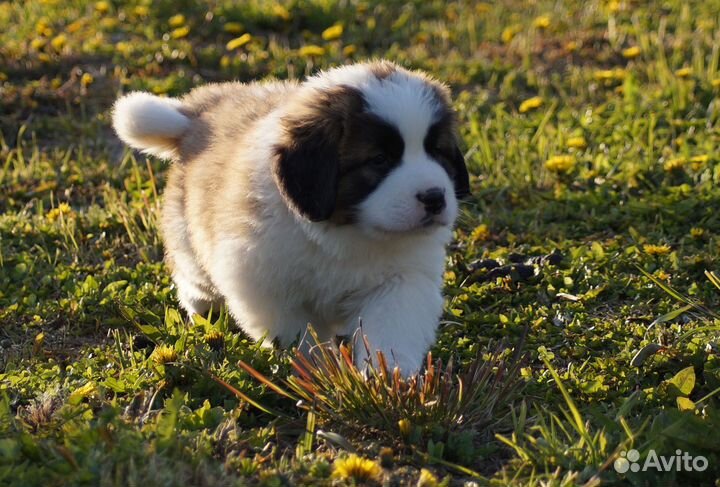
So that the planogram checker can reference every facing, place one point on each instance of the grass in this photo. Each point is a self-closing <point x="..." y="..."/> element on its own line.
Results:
<point x="591" y="131"/>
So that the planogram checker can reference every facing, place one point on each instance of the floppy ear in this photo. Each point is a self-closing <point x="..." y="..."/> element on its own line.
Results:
<point x="461" y="179"/>
<point x="306" y="166"/>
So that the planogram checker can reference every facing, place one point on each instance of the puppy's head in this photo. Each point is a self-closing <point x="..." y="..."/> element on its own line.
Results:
<point x="375" y="146"/>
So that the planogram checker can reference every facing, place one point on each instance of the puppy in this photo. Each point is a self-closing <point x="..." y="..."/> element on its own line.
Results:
<point x="327" y="202"/>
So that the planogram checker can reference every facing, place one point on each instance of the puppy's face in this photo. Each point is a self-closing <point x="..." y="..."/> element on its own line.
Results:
<point x="373" y="146"/>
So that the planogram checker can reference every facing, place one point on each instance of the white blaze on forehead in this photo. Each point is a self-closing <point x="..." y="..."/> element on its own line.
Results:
<point x="408" y="103"/>
<point x="402" y="98"/>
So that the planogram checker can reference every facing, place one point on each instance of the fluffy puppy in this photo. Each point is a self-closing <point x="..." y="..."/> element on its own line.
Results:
<point x="327" y="202"/>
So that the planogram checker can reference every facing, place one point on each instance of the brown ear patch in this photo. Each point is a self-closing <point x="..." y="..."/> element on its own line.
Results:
<point x="306" y="166"/>
<point x="441" y="143"/>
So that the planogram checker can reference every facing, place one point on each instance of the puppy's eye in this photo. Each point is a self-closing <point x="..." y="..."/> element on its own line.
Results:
<point x="378" y="160"/>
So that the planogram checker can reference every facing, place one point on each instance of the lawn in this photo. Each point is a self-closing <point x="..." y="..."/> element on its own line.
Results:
<point x="582" y="318"/>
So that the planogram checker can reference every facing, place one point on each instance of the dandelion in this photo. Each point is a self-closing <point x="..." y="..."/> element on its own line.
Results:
<point x="427" y="479"/>
<point x="614" y="6"/>
<point x="38" y="43"/>
<point x="108" y="23"/>
<point x="697" y="233"/>
<point x="531" y="104"/>
<point x="509" y="33"/>
<point x="281" y="12"/>
<point x="58" y="42"/>
<point x="141" y="11"/>
<point x="238" y="42"/>
<point x="311" y="50"/>
<point x="86" y="79"/>
<point x="631" y="52"/>
<point x="3" y="77"/>
<point x="480" y="233"/>
<point x="560" y="164"/>
<point x="577" y="142"/>
<point x="683" y="72"/>
<point x="102" y="7"/>
<point x="674" y="164"/>
<point x="86" y="390"/>
<point x="572" y="46"/>
<point x="233" y="27"/>
<point x="697" y="162"/>
<point x="541" y="22"/>
<point x="610" y="74"/>
<point x="176" y="20"/>
<point x="43" y="27"/>
<point x="715" y="83"/>
<point x="333" y="32"/>
<point x="356" y="468"/>
<point x="349" y="50"/>
<point x="63" y="209"/>
<point x="652" y="249"/>
<point x="215" y="339"/>
<point x="180" y="32"/>
<point x="164" y="354"/>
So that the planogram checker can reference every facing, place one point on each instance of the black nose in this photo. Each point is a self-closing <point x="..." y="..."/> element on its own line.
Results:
<point x="433" y="199"/>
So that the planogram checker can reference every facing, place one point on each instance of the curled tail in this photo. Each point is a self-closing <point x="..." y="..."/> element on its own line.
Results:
<point x="150" y="123"/>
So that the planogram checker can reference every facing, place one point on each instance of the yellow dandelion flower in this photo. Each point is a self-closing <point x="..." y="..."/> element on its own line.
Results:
<point x="58" y="42"/>
<point x="427" y="479"/>
<point x="349" y="50"/>
<point x="577" y="142"/>
<point x="3" y="76"/>
<point x="572" y="46"/>
<point x="42" y="26"/>
<point x="216" y="339"/>
<point x="141" y="11"/>
<point x="448" y="276"/>
<point x="86" y="390"/>
<point x="75" y="26"/>
<point x="509" y="33"/>
<point x="652" y="249"/>
<point x="55" y="83"/>
<point x="697" y="233"/>
<point x="164" y="354"/>
<point x="233" y="27"/>
<point x="610" y="74"/>
<point x="238" y="42"/>
<point x="614" y="6"/>
<point x="531" y="104"/>
<point x="333" y="32"/>
<point x="674" y="164"/>
<point x="356" y="468"/>
<point x="281" y="12"/>
<point x="480" y="233"/>
<point x="715" y="83"/>
<point x="86" y="79"/>
<point x="176" y="20"/>
<point x="702" y="159"/>
<point x="631" y="52"/>
<point x="683" y="72"/>
<point x="560" y="164"/>
<point x="311" y="50"/>
<point x="38" y="43"/>
<point x="102" y="7"/>
<point x="541" y="22"/>
<point x="225" y="62"/>
<point x="371" y="23"/>
<point x="62" y="209"/>
<point x="180" y="32"/>
<point x="44" y="58"/>
<point x="109" y="23"/>
<point x="124" y="48"/>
